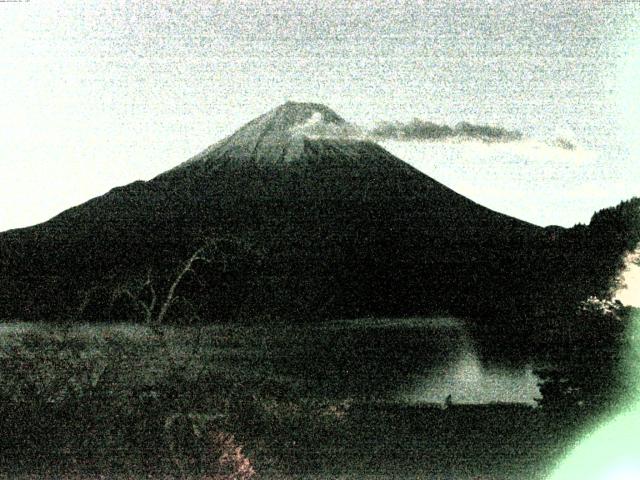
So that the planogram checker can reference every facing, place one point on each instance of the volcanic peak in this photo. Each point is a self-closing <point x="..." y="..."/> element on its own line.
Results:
<point x="279" y="134"/>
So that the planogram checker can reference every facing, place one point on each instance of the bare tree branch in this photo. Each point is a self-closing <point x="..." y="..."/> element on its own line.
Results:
<point x="156" y="307"/>
<point x="187" y="267"/>
<point x="148" y="306"/>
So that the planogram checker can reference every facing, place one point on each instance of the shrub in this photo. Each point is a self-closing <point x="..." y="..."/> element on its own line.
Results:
<point x="586" y="371"/>
<point x="89" y="399"/>
<point x="199" y="447"/>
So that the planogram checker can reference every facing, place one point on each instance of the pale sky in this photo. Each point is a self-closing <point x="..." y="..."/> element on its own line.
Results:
<point x="96" y="94"/>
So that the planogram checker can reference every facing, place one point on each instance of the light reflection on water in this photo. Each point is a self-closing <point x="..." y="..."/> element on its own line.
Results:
<point x="401" y="360"/>
<point x="467" y="380"/>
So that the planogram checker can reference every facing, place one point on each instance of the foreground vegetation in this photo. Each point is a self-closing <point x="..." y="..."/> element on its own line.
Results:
<point x="228" y="401"/>
<point x="123" y="397"/>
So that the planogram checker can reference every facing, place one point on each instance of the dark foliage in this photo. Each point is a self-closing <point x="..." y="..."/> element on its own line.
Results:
<point x="587" y="369"/>
<point x="74" y="404"/>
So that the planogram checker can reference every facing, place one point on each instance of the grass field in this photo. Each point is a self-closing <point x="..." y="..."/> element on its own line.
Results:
<point x="306" y="401"/>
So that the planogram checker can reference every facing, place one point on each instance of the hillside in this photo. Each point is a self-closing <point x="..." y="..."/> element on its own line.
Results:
<point x="315" y="222"/>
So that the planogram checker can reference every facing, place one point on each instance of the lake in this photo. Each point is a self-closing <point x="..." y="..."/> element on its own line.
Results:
<point x="415" y="360"/>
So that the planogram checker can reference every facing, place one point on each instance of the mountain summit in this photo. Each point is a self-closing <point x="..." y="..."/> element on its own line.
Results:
<point x="278" y="135"/>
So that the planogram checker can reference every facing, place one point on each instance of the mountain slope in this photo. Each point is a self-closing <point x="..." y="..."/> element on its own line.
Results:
<point x="330" y="226"/>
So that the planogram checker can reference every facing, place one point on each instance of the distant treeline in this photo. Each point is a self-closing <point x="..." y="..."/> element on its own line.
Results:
<point x="418" y="129"/>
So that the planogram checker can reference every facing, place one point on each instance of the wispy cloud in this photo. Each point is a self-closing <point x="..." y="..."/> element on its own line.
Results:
<point x="316" y="126"/>
<point x="418" y="129"/>
<point x="564" y="143"/>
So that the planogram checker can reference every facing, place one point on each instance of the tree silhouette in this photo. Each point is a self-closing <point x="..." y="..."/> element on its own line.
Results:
<point x="154" y="295"/>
